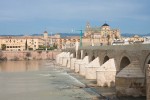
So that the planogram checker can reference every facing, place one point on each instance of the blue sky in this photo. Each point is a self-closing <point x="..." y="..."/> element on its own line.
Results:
<point x="57" y="16"/>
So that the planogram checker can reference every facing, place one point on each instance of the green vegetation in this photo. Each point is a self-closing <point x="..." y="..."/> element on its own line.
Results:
<point x="3" y="46"/>
<point x="42" y="47"/>
<point x="30" y="48"/>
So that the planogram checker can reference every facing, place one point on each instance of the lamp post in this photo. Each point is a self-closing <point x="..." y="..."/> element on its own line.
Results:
<point x="81" y="33"/>
<point x="80" y="38"/>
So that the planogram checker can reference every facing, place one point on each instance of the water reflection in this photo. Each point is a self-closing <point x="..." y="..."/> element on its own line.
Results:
<point x="19" y="66"/>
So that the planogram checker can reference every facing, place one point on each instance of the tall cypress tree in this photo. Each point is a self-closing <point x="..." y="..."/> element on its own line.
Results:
<point x="26" y="45"/>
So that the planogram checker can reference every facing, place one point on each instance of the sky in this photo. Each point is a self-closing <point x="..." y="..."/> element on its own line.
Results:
<point x="59" y="16"/>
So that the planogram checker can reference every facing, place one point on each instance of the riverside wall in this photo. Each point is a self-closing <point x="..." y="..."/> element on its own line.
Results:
<point x="28" y="55"/>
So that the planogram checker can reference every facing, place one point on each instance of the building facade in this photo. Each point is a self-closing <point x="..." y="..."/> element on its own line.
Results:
<point x="20" y="43"/>
<point x="103" y="35"/>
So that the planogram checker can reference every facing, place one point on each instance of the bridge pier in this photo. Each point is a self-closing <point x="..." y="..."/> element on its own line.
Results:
<point x="91" y="72"/>
<point x="77" y="64"/>
<point x="80" y="62"/>
<point x="82" y="69"/>
<point x="73" y="63"/>
<point x="106" y="74"/>
<point x="59" y="58"/>
<point x="65" y="59"/>
<point x="130" y="81"/>
<point x="90" y="69"/>
<point x="69" y="61"/>
<point x="148" y="82"/>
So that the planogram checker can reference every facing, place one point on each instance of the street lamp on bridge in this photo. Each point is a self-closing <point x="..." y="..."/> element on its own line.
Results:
<point x="81" y="33"/>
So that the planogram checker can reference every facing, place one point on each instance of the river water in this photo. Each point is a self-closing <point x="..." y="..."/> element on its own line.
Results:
<point x="20" y="66"/>
<point x="44" y="80"/>
<point x="39" y="80"/>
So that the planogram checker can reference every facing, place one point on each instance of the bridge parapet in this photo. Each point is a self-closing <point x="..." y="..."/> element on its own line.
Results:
<point x="120" y="47"/>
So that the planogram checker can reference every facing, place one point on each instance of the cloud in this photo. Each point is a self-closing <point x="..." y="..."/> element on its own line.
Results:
<point x="67" y="9"/>
<point x="64" y="14"/>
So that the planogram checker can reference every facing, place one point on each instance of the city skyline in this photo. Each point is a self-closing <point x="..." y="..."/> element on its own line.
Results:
<point x="35" y="16"/>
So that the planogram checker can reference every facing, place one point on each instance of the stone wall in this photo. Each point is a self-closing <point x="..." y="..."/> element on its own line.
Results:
<point x="130" y="81"/>
<point x="130" y="62"/>
<point x="148" y="82"/>
<point x="26" y="55"/>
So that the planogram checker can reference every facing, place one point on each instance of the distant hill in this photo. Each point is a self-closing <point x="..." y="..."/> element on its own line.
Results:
<point x="36" y="35"/>
<point x="127" y="34"/>
<point x="62" y="34"/>
<point x="147" y="34"/>
<point x="78" y="34"/>
<point x="131" y="34"/>
<point x="69" y="34"/>
<point x="11" y="35"/>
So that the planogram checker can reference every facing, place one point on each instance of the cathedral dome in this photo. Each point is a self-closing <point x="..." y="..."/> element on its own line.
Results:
<point x="105" y="24"/>
<point x="45" y="32"/>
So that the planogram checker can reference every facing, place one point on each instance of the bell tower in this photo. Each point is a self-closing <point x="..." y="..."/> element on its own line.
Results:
<point x="45" y="34"/>
<point x="87" y="29"/>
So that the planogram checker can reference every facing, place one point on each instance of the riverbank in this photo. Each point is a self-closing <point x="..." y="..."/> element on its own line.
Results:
<point x="28" y="55"/>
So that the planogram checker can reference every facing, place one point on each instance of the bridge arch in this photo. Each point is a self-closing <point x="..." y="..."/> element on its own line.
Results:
<point x="106" y="58"/>
<point x="125" y="61"/>
<point x="74" y="54"/>
<point x="84" y="54"/>
<point x="147" y="61"/>
<point x="92" y="58"/>
<point x="79" y="54"/>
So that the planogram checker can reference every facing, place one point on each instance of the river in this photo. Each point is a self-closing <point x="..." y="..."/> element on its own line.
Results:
<point x="44" y="80"/>
<point x="39" y="80"/>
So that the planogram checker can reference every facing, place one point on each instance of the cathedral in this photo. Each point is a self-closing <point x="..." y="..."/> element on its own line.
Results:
<point x="103" y="35"/>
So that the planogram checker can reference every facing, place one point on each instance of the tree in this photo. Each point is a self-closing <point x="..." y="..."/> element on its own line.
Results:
<point x="3" y="46"/>
<point x="26" y="45"/>
<point x="108" y="38"/>
<point x="55" y="46"/>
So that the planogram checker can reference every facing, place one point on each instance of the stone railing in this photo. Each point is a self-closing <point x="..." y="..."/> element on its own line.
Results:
<point x="148" y="82"/>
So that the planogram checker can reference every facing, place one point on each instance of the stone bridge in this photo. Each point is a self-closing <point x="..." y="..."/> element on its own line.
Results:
<point x="121" y="66"/>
